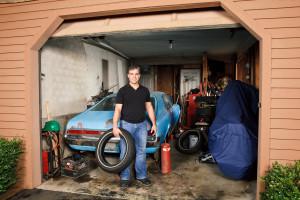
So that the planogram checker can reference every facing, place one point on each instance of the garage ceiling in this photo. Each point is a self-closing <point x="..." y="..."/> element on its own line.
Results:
<point x="187" y="45"/>
<point x="144" y="38"/>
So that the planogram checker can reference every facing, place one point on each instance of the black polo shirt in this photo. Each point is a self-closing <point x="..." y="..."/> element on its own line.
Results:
<point x="133" y="109"/>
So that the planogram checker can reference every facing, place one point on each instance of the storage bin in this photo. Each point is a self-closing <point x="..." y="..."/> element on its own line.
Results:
<point x="74" y="166"/>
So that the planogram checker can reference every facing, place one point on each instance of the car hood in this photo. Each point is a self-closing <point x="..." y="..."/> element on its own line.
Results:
<point x="96" y="120"/>
<point x="100" y="120"/>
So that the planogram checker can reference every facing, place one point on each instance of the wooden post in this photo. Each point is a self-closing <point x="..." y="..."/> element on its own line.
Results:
<point x="204" y="74"/>
<point x="49" y="116"/>
<point x="233" y="71"/>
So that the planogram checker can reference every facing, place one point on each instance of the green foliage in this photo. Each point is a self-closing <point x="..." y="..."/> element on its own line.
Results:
<point x="9" y="156"/>
<point x="282" y="182"/>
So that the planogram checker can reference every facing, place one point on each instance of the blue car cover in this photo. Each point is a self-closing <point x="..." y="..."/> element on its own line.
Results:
<point x="233" y="135"/>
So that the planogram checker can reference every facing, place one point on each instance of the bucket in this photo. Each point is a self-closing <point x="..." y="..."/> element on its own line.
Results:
<point x="193" y="141"/>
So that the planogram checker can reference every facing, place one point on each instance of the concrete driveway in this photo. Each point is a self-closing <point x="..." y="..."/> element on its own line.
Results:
<point x="187" y="180"/>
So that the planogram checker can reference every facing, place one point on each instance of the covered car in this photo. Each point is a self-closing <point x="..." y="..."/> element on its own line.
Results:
<point x="233" y="135"/>
<point x="84" y="130"/>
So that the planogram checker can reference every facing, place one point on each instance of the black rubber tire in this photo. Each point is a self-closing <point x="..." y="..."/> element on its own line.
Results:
<point x="179" y="143"/>
<point x="129" y="154"/>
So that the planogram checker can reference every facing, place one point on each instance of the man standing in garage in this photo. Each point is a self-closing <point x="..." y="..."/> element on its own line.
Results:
<point x="131" y="104"/>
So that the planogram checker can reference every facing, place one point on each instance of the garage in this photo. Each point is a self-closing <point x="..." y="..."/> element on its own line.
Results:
<point x="27" y="26"/>
<point x="79" y="62"/>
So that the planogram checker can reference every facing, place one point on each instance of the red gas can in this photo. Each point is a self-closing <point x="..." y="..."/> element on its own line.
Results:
<point x="165" y="158"/>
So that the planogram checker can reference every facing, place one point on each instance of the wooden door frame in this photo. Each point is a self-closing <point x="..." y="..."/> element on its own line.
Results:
<point x="33" y="128"/>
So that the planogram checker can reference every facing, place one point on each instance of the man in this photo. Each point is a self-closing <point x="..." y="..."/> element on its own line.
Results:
<point x="131" y="104"/>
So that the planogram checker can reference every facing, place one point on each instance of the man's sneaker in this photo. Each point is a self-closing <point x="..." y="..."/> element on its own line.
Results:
<point x="124" y="184"/>
<point x="145" y="181"/>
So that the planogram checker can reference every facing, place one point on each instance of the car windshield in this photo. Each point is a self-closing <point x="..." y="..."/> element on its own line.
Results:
<point x="108" y="104"/>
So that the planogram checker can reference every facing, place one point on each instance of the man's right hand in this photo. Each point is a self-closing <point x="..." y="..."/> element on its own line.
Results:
<point x="116" y="132"/>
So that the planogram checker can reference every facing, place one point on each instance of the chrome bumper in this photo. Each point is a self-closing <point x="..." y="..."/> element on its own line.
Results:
<point x="92" y="140"/>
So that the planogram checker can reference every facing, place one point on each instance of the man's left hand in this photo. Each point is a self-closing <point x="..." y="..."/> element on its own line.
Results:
<point x="153" y="130"/>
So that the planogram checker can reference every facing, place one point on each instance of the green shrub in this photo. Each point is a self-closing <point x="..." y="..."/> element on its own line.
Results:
<point x="9" y="156"/>
<point x="282" y="182"/>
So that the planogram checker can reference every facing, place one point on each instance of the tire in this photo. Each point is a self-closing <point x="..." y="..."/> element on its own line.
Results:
<point x="182" y="142"/>
<point x="129" y="154"/>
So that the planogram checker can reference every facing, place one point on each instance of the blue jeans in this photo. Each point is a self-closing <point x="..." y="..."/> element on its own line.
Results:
<point x="139" y="133"/>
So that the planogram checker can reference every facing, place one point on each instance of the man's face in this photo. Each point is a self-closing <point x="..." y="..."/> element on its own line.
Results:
<point x="134" y="76"/>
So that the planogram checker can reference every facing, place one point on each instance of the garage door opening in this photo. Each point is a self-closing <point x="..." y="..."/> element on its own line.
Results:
<point x="76" y="68"/>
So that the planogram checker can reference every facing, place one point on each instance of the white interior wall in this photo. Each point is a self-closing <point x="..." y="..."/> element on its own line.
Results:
<point x="117" y="69"/>
<point x="73" y="73"/>
<point x="122" y="72"/>
<point x="64" y="64"/>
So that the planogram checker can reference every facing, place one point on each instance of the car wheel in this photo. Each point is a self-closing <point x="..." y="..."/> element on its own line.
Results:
<point x="183" y="143"/>
<point x="129" y="154"/>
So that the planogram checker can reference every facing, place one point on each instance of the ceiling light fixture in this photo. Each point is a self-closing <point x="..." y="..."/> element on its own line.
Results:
<point x="170" y="44"/>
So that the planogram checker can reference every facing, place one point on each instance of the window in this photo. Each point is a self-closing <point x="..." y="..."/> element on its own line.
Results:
<point x="106" y="105"/>
<point x="109" y="104"/>
<point x="167" y="102"/>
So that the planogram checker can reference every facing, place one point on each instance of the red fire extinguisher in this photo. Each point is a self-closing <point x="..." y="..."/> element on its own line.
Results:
<point x="165" y="158"/>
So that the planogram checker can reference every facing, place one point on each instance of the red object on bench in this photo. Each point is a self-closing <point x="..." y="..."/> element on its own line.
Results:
<point x="191" y="110"/>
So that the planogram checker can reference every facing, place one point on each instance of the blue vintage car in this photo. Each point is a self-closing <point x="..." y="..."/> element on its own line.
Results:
<point x="83" y="131"/>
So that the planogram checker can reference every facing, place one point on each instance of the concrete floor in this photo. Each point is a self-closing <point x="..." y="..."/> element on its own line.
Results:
<point x="187" y="180"/>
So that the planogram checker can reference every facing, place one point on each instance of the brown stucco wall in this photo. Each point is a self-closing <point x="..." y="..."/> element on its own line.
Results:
<point x="25" y="27"/>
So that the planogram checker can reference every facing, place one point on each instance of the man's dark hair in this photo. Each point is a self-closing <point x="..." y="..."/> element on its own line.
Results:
<point x="134" y="67"/>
